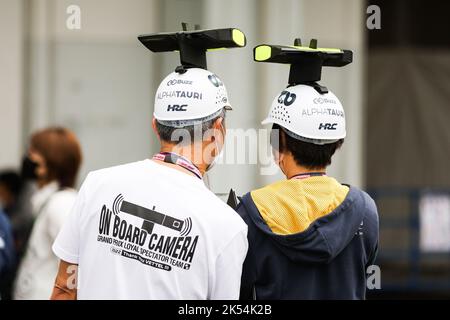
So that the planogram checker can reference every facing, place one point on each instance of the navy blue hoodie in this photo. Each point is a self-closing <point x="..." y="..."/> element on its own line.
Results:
<point x="326" y="260"/>
<point x="6" y="245"/>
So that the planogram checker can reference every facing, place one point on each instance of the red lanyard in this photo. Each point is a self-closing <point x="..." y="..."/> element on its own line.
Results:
<point x="308" y="174"/>
<point x="181" y="161"/>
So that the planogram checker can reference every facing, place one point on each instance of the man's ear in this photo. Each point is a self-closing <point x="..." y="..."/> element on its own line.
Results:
<point x="219" y="125"/>
<point x="281" y="157"/>
<point x="277" y="156"/>
<point x="154" y="127"/>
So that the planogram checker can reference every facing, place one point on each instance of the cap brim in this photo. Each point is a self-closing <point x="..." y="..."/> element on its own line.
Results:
<point x="267" y="121"/>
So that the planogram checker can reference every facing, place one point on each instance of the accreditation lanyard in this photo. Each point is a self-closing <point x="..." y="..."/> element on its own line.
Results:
<point x="178" y="160"/>
<point x="308" y="175"/>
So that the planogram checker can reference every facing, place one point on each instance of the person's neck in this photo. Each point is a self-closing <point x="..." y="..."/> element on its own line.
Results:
<point x="42" y="183"/>
<point x="193" y="153"/>
<point x="292" y="169"/>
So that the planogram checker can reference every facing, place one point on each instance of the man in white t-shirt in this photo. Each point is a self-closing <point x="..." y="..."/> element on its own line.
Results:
<point x="151" y="229"/>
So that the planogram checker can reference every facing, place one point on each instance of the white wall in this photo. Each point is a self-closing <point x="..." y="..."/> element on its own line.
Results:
<point x="342" y="24"/>
<point x="238" y="72"/>
<point x="99" y="81"/>
<point x="11" y="81"/>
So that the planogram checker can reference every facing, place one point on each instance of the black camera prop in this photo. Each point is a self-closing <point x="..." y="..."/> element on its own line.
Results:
<point x="193" y="45"/>
<point x="306" y="62"/>
<point x="233" y="200"/>
<point x="151" y="217"/>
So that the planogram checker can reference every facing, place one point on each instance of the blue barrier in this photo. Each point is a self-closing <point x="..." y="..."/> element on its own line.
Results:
<point x="411" y="259"/>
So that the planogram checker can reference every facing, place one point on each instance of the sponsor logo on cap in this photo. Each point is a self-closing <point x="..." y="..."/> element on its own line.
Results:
<point x="287" y="98"/>
<point x="322" y="111"/>
<point x="327" y="126"/>
<point x="177" y="81"/>
<point x="215" y="80"/>
<point x="177" y="107"/>
<point x="180" y="94"/>
<point x="323" y="100"/>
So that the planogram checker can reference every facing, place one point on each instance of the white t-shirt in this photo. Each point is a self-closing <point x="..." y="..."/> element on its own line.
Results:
<point x="36" y="275"/>
<point x="146" y="231"/>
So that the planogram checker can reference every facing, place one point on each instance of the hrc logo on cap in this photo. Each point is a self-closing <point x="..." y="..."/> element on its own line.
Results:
<point x="327" y="126"/>
<point x="177" y="107"/>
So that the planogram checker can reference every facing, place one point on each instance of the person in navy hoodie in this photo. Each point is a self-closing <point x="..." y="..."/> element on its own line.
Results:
<point x="6" y="247"/>
<point x="310" y="237"/>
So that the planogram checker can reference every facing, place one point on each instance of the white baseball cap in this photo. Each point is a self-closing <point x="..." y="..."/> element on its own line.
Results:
<point x="191" y="95"/>
<point x="308" y="115"/>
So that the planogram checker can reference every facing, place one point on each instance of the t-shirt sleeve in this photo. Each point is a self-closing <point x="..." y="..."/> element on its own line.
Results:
<point x="66" y="245"/>
<point x="228" y="269"/>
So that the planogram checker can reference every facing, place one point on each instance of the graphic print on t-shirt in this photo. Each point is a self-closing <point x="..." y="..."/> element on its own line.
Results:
<point x="162" y="241"/>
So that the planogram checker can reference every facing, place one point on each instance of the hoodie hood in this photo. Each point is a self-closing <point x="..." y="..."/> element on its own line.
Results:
<point x="321" y="236"/>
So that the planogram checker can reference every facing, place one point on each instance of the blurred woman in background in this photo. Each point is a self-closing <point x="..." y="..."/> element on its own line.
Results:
<point x="52" y="161"/>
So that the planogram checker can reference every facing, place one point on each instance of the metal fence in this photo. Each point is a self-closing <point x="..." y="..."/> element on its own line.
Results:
<point x="404" y="265"/>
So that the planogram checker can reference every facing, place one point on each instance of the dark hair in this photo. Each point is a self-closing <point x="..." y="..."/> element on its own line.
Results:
<point x="169" y="134"/>
<point x="12" y="181"/>
<point x="62" y="153"/>
<point x="308" y="155"/>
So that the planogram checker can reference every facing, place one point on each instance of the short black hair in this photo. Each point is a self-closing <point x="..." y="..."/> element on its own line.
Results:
<point x="169" y="134"/>
<point x="12" y="181"/>
<point x="308" y="155"/>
